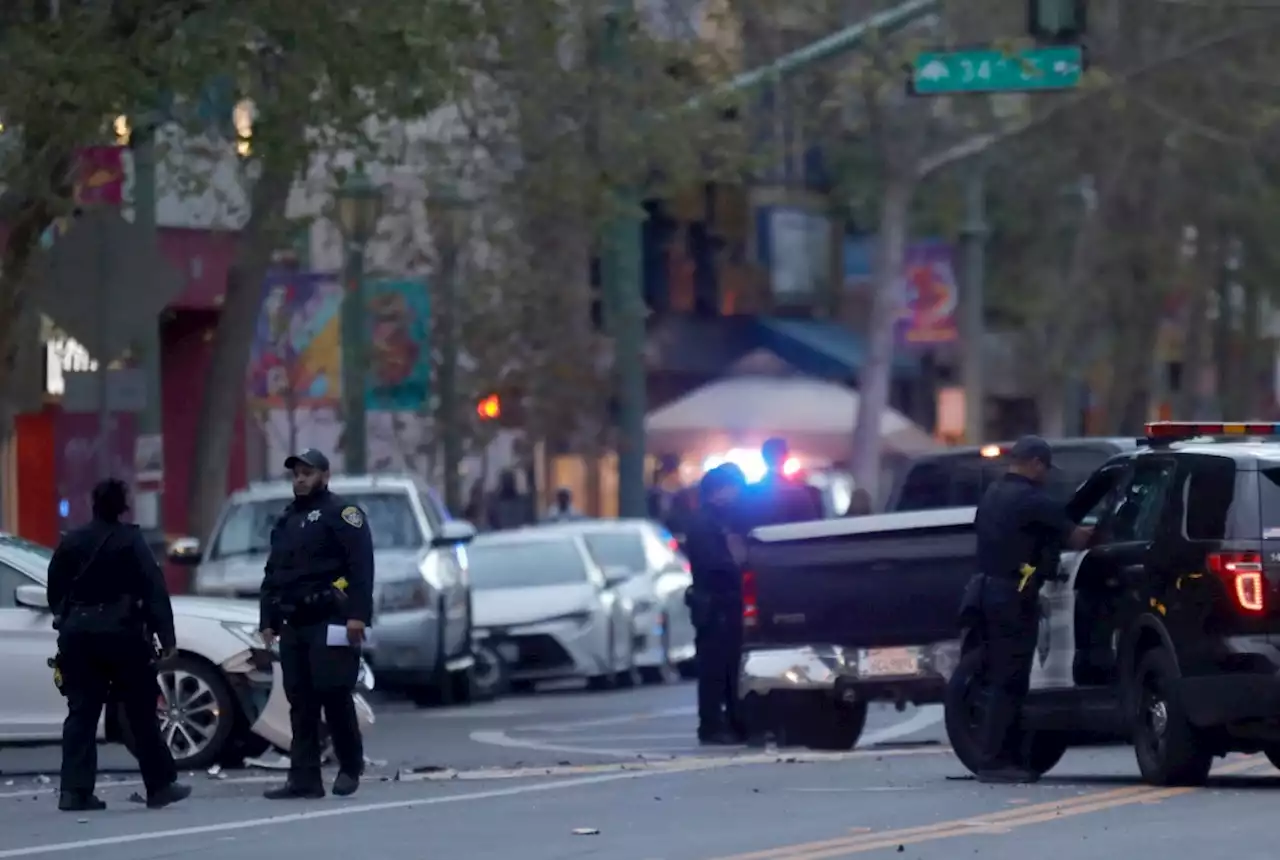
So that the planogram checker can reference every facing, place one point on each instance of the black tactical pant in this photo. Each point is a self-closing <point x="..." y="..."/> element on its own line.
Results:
<point x="1011" y="622"/>
<point x="97" y="667"/>
<point x="319" y="679"/>
<point x="719" y="643"/>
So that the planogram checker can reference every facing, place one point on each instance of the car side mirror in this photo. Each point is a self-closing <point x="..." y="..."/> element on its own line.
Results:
<point x="453" y="533"/>
<point x="615" y="576"/>
<point x="185" y="551"/>
<point x="32" y="597"/>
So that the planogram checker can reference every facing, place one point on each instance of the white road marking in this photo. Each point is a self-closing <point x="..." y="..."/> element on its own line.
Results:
<point x="575" y="725"/>
<point x="922" y="719"/>
<point x="627" y="772"/>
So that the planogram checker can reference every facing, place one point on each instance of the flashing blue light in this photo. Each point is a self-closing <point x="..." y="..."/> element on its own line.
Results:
<point x="64" y="509"/>
<point x="749" y="460"/>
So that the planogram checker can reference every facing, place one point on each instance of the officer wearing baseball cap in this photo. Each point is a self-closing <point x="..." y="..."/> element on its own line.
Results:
<point x="1018" y="527"/>
<point x="319" y="573"/>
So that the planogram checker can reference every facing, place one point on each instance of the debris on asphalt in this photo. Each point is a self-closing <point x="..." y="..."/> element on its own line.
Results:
<point x="8" y="782"/>
<point x="43" y="780"/>
<point x="82" y="821"/>
<point x="427" y="768"/>
<point x="585" y="831"/>
<point x="137" y="798"/>
<point x="375" y="762"/>
<point x="280" y="763"/>
<point x="565" y="763"/>
<point x="215" y="772"/>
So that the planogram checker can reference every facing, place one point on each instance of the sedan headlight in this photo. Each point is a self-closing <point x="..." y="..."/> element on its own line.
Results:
<point x="403" y="596"/>
<point x="247" y="633"/>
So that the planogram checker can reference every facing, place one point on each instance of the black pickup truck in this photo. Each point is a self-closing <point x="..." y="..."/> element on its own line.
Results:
<point x="839" y="613"/>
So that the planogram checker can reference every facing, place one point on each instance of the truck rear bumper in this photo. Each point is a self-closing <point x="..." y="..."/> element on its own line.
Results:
<point x="847" y="671"/>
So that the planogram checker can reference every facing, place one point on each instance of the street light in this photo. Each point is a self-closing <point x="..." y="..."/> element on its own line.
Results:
<point x="447" y="214"/>
<point x="359" y="206"/>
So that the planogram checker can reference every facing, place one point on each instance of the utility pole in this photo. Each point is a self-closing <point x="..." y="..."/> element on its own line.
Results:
<point x="972" y="303"/>
<point x="142" y="141"/>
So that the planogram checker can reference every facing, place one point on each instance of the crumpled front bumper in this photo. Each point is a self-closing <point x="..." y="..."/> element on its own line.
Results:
<point x="834" y="668"/>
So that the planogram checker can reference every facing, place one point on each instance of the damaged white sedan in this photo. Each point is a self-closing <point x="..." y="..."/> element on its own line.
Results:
<point x="221" y="698"/>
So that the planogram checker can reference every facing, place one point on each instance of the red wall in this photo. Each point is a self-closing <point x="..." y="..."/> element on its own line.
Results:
<point x="187" y="344"/>
<point x="36" y="472"/>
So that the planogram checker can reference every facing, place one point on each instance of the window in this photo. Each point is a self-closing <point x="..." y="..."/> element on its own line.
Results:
<point x="1137" y="511"/>
<point x="246" y="529"/>
<point x="10" y="579"/>
<point x="623" y="549"/>
<point x="927" y="486"/>
<point x="30" y="556"/>
<point x="525" y="564"/>
<point x="1206" y="496"/>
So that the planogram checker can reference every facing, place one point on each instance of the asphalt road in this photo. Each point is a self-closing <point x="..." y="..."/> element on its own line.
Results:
<point x="518" y="777"/>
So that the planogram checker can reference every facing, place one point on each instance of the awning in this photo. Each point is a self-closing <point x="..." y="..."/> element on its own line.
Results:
<point x="815" y="416"/>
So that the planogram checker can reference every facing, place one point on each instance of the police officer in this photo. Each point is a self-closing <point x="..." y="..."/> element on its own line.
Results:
<point x="714" y="548"/>
<point x="109" y="603"/>
<point x="319" y="573"/>
<point x="779" y="498"/>
<point x="1016" y="523"/>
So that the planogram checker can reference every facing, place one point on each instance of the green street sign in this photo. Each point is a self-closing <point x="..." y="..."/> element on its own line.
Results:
<point x="937" y="73"/>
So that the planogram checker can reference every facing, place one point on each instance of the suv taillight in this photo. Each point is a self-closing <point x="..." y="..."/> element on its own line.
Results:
<point x="750" y="615"/>
<point x="1242" y="573"/>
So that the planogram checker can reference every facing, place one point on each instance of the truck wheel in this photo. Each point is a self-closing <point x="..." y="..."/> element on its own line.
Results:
<point x="826" y="724"/>
<point x="1167" y="746"/>
<point x="963" y="709"/>
<point x="489" y="675"/>
<point x="1043" y="751"/>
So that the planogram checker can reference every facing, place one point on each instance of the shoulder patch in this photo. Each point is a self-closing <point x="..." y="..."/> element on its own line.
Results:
<point x="353" y="517"/>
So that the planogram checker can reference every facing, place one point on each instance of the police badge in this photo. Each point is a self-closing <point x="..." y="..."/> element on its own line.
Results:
<point x="313" y="516"/>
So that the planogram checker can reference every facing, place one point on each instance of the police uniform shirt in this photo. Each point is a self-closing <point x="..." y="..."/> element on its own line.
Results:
<point x="321" y="541"/>
<point x="1015" y="521"/>
<point x="712" y="564"/>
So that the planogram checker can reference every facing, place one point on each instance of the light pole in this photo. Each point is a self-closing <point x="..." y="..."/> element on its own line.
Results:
<point x="448" y="214"/>
<point x="359" y="206"/>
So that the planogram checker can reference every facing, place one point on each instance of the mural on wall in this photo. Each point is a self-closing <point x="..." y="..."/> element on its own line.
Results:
<point x="929" y="297"/>
<point x="399" y="352"/>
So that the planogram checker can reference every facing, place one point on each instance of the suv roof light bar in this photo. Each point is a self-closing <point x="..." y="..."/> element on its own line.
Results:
<point x="1165" y="432"/>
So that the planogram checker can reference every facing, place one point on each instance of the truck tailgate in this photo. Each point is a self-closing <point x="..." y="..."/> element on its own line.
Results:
<point x="900" y="586"/>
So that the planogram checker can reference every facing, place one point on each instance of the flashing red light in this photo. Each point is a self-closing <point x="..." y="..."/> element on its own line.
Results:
<point x="489" y="408"/>
<point x="750" y="612"/>
<point x="1242" y="573"/>
<point x="1190" y="429"/>
<point x="791" y="467"/>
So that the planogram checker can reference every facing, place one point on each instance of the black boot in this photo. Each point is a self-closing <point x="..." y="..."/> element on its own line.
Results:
<point x="294" y="791"/>
<point x="345" y="784"/>
<point x="80" y="801"/>
<point x="169" y="795"/>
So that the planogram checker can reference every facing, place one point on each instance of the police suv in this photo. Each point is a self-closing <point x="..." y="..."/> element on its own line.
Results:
<point x="1164" y="632"/>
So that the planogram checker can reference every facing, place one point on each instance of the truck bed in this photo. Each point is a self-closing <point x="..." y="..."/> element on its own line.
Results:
<point x="884" y="580"/>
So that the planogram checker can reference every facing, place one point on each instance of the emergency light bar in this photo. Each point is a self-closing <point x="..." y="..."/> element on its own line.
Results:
<point x="1173" y="430"/>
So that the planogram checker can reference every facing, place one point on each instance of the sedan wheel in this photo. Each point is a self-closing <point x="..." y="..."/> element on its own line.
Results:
<point x="197" y="713"/>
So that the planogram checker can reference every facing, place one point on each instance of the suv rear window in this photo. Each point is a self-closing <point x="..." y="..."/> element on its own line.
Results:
<point x="959" y="480"/>
<point x="1269" y="500"/>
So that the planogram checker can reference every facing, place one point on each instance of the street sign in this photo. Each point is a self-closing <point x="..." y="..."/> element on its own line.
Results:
<point x="936" y="73"/>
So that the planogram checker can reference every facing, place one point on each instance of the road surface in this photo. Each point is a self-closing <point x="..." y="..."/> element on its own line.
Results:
<point x="524" y="776"/>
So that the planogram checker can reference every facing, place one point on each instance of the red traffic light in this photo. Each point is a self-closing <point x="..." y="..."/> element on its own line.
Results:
<point x="489" y="408"/>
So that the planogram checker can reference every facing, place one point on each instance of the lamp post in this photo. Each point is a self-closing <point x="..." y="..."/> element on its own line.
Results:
<point x="448" y="212"/>
<point x="359" y="206"/>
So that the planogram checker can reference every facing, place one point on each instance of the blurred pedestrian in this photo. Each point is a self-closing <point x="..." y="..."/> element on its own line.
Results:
<point x="782" y="495"/>
<point x="562" y="509"/>
<point x="319" y="575"/>
<point x="110" y="605"/>
<point x="859" y="503"/>
<point x="715" y="552"/>
<point x="509" y="508"/>
<point x="476" y="511"/>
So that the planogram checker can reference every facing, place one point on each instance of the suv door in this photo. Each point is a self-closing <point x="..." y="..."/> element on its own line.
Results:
<point x="31" y="707"/>
<point x="1115" y="581"/>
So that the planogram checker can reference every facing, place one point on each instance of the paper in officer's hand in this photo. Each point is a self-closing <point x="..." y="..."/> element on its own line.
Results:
<point x="335" y="636"/>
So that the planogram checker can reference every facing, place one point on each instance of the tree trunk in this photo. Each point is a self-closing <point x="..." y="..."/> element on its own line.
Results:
<point x="224" y="389"/>
<point x="873" y="381"/>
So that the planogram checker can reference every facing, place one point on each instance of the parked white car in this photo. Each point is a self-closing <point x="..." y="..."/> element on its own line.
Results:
<point x="658" y="579"/>
<point x="548" y="610"/>
<point x="221" y="698"/>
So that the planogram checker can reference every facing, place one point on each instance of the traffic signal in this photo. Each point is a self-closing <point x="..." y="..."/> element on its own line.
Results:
<point x="1057" y="22"/>
<point x="489" y="408"/>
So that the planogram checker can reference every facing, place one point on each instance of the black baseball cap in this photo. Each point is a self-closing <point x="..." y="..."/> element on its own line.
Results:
<point x="310" y="457"/>
<point x="1030" y="448"/>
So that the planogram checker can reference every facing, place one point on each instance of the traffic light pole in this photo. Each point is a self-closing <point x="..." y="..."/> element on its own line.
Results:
<point x="622" y="275"/>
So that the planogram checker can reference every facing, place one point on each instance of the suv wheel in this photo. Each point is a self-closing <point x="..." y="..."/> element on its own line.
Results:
<point x="823" y="723"/>
<point x="1167" y="745"/>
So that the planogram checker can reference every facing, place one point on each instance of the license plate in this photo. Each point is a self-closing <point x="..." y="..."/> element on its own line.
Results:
<point x="885" y="662"/>
<point x="509" y="651"/>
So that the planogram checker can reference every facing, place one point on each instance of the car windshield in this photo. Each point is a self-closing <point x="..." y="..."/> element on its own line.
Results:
<point x="525" y="564"/>
<point x="621" y="549"/>
<point x="246" y="530"/>
<point x="30" y="558"/>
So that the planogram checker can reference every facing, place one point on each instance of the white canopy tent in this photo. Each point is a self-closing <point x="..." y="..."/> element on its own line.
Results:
<point x="815" y="417"/>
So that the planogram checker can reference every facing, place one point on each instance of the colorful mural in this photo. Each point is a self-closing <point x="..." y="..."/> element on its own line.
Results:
<point x="928" y="297"/>
<point x="296" y="362"/>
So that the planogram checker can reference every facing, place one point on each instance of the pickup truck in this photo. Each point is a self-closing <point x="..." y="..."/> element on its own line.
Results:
<point x="840" y="613"/>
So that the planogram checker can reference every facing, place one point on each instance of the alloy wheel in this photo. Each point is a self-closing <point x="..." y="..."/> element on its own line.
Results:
<point x="188" y="711"/>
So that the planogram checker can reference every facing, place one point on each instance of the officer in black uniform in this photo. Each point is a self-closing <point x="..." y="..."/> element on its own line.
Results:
<point x="714" y="547"/>
<point x="109" y="603"/>
<point x="779" y="498"/>
<point x="319" y="573"/>
<point x="1016" y="523"/>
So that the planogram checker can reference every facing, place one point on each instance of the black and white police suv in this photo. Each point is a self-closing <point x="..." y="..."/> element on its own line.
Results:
<point x="1165" y="632"/>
